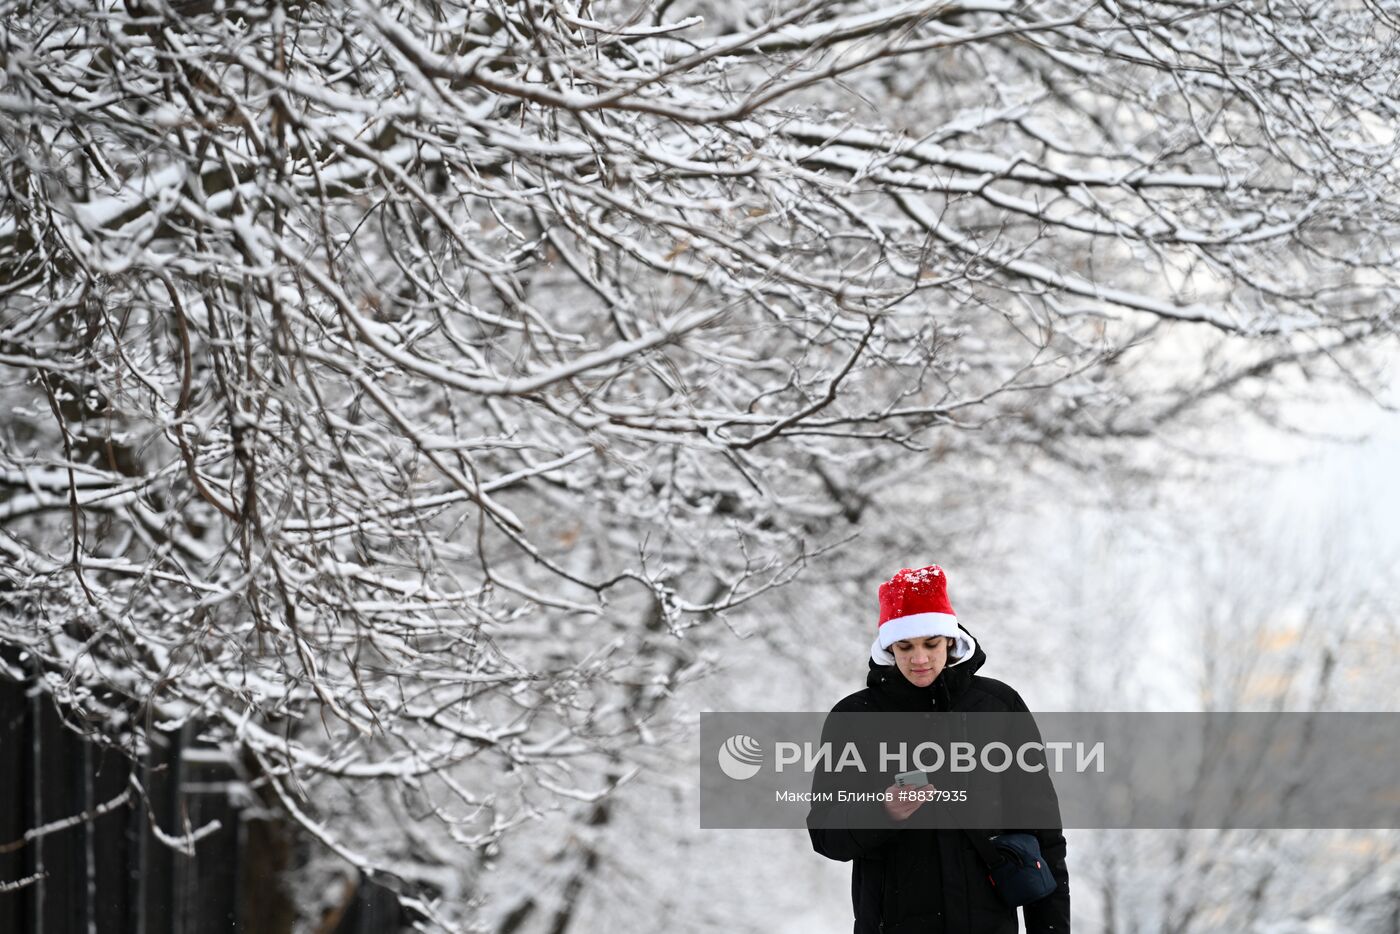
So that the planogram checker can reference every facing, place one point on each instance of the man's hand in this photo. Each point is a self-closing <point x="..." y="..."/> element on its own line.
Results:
<point x="903" y="803"/>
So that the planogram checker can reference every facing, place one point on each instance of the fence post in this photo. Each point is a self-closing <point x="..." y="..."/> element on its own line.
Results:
<point x="14" y="794"/>
<point x="109" y="775"/>
<point x="59" y="791"/>
<point x="207" y="893"/>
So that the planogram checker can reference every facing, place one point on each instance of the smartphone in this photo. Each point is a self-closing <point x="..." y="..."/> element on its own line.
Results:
<point x="915" y="779"/>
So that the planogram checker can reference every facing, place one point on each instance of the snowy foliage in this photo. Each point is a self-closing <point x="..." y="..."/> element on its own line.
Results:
<point x="391" y="384"/>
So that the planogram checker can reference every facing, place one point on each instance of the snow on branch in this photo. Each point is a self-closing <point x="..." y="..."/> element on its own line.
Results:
<point x="408" y="395"/>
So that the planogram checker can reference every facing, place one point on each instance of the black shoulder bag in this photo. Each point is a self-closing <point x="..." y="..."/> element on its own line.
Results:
<point x="1017" y="871"/>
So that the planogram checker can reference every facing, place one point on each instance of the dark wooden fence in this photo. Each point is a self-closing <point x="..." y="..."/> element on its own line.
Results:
<point x="101" y="867"/>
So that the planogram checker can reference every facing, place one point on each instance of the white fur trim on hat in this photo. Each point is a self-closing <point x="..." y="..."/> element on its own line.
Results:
<point x="962" y="650"/>
<point x="919" y="624"/>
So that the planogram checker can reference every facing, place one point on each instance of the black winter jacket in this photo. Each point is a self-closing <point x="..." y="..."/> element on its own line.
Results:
<point x="919" y="881"/>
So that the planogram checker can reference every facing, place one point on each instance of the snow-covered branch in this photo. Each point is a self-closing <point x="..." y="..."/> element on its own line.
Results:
<point x="386" y="383"/>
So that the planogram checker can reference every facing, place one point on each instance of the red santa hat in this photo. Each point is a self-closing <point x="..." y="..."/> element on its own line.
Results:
<point x="914" y="604"/>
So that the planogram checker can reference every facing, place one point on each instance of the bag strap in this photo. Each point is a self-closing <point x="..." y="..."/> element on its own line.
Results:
<point x="985" y="850"/>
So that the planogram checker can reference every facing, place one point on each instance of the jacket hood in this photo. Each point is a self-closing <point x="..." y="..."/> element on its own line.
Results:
<point x="950" y="683"/>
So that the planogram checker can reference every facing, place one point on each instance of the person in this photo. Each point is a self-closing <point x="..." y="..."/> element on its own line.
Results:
<point x="907" y="880"/>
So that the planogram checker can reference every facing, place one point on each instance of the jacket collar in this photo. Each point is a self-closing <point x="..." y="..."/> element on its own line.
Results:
<point x="942" y="694"/>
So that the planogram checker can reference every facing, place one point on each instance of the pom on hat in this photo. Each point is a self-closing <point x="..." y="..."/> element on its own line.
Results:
<point x="914" y="604"/>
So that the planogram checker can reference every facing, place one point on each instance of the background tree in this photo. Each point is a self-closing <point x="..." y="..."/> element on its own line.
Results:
<point x="405" y="391"/>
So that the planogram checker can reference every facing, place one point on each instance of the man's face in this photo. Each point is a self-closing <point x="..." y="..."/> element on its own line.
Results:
<point x="921" y="660"/>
